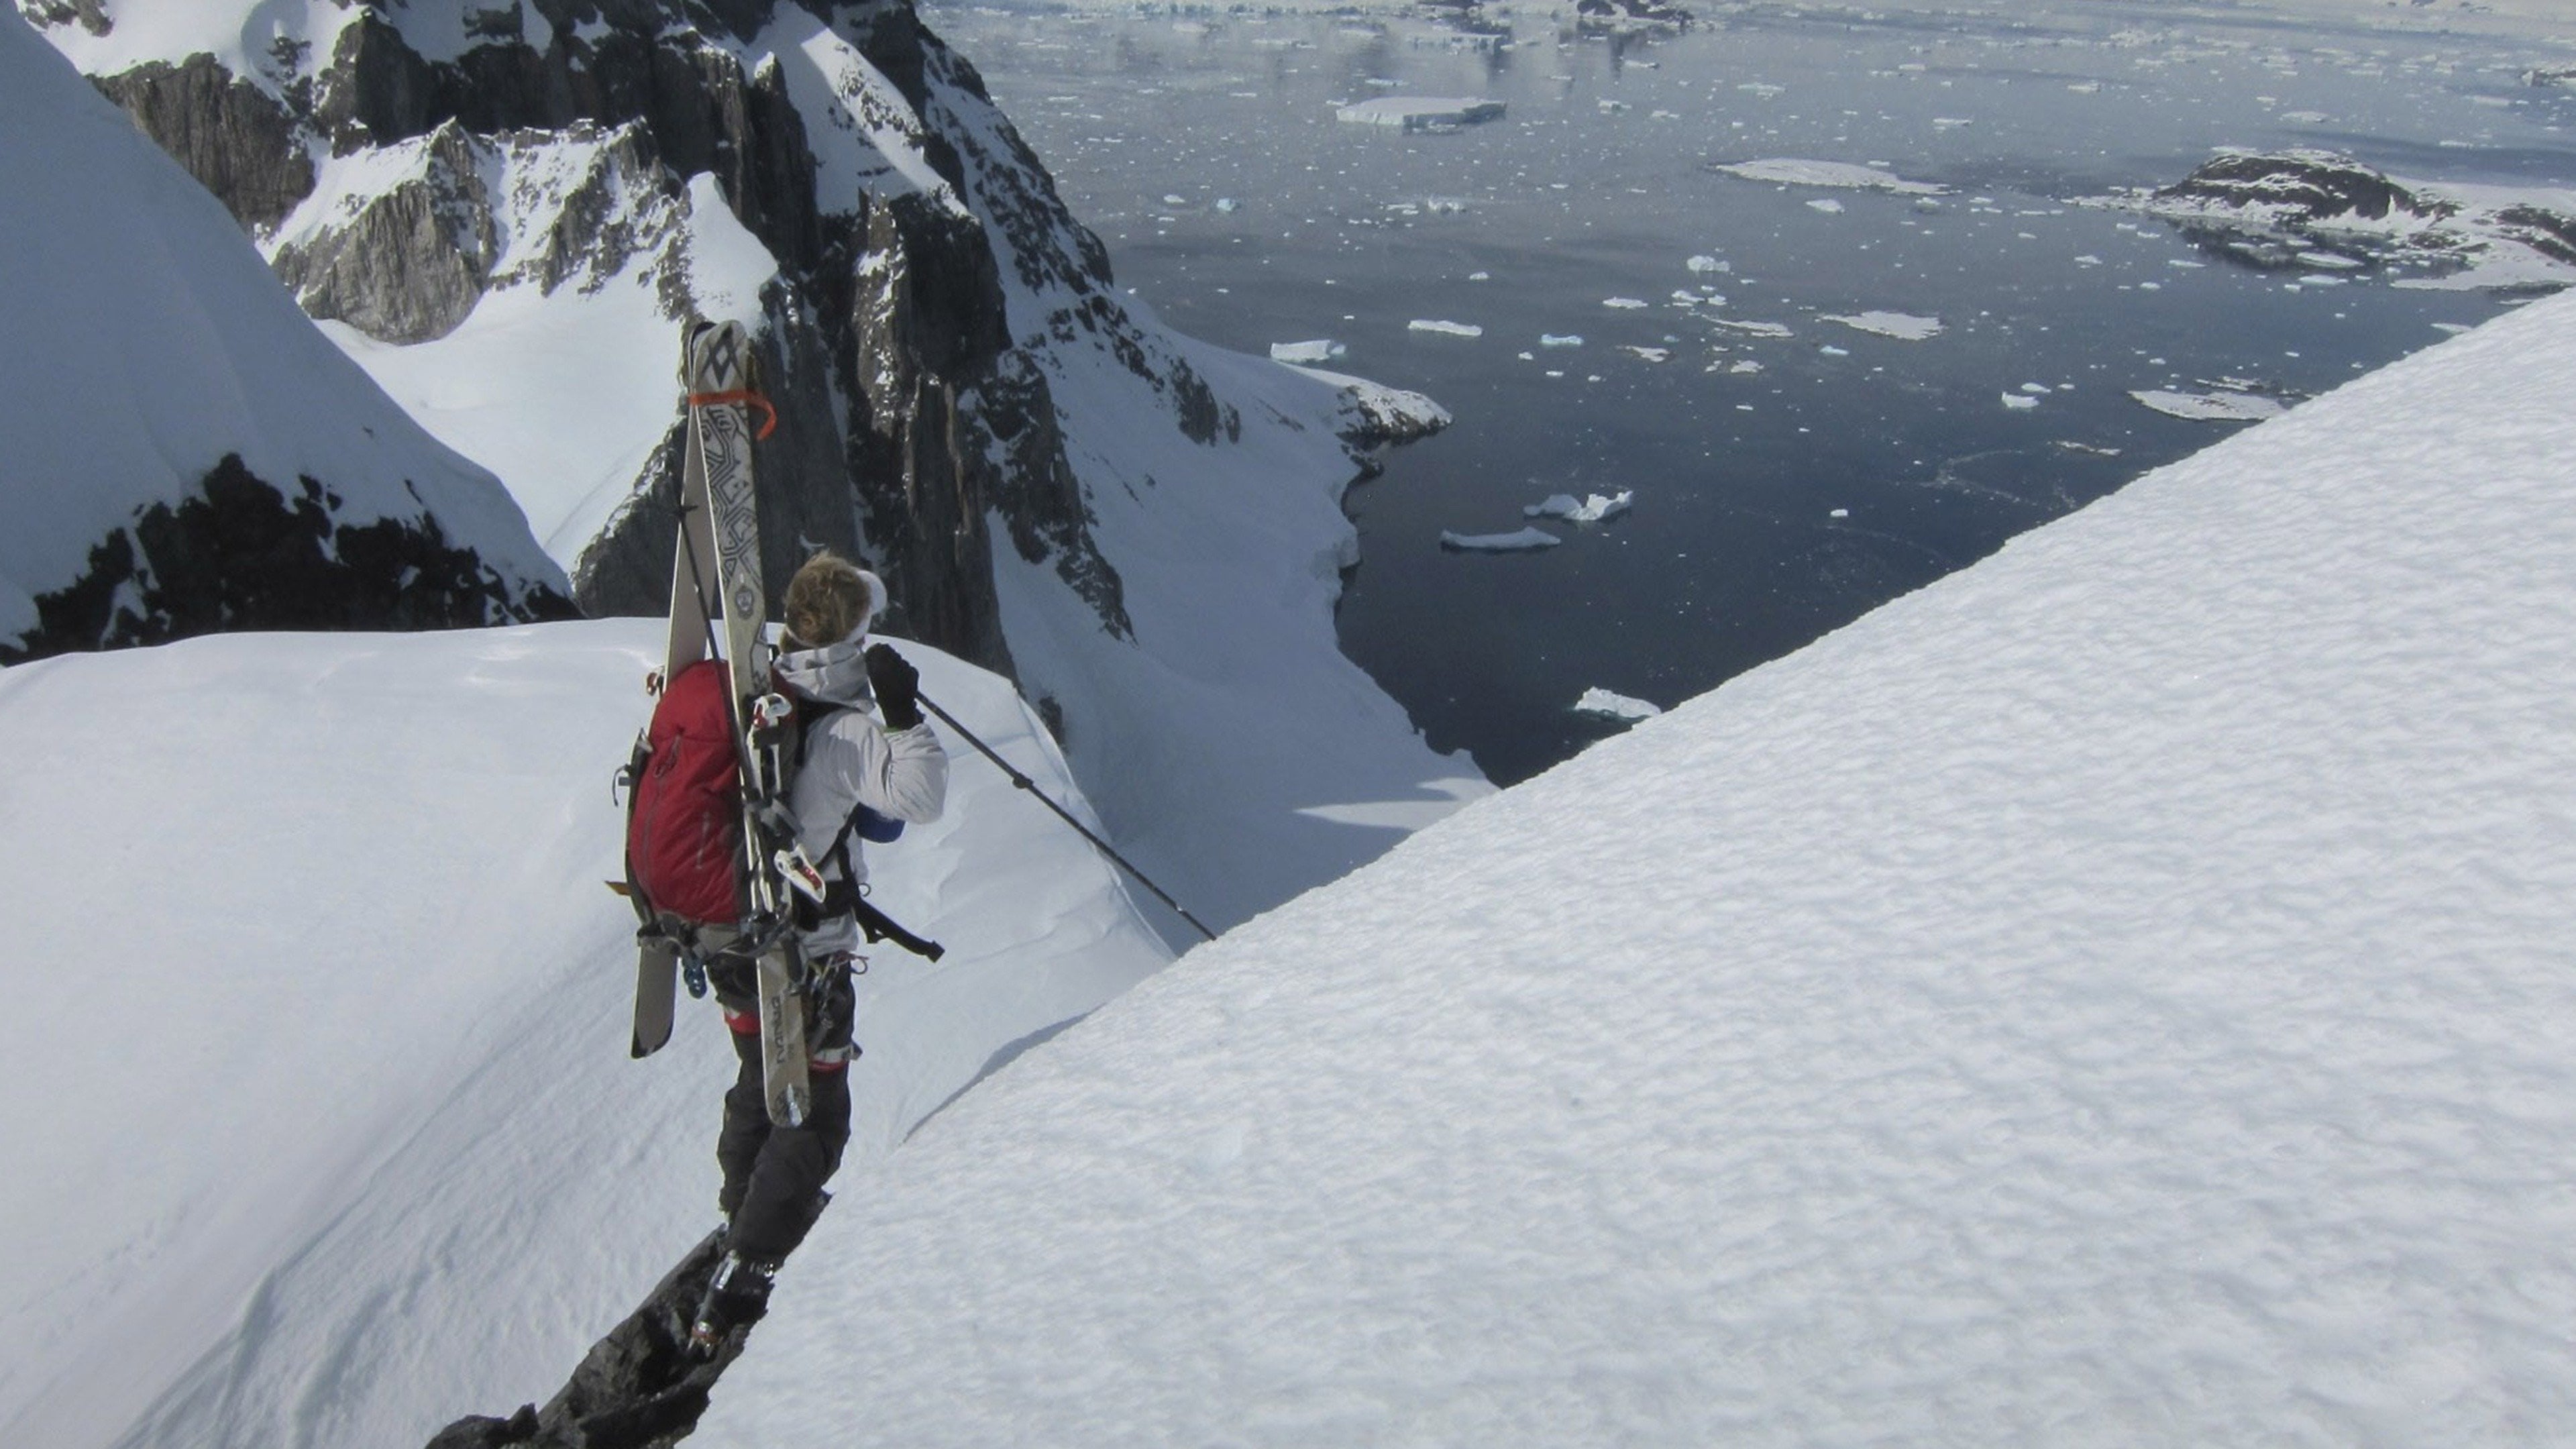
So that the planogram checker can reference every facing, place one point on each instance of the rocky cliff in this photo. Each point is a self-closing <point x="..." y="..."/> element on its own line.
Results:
<point x="403" y="165"/>
<point x="185" y="454"/>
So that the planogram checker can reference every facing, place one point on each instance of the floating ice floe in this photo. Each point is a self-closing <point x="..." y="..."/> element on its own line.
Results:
<point x="1623" y="304"/>
<point x="1597" y="700"/>
<point x="1592" y="508"/>
<point x="1753" y="329"/>
<point x="1446" y="329"/>
<point x="2020" y="401"/>
<point x="1704" y="265"/>
<point x="1792" y="171"/>
<point x="1524" y="541"/>
<point x="1650" y="354"/>
<point x="2210" y="407"/>
<point x="1560" y="339"/>
<point x="1827" y="205"/>
<point x="1419" y="113"/>
<point x="1901" y="325"/>
<point x="1321" y="349"/>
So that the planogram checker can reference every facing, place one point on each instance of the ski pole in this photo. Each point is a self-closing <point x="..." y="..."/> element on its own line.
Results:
<point x="1025" y="783"/>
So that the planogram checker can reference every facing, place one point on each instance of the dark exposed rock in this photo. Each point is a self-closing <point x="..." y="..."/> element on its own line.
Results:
<point x="2300" y="188"/>
<point x="638" y="1389"/>
<point x="926" y="319"/>
<point x="2300" y="210"/>
<point x="1039" y="496"/>
<point x="246" y="555"/>
<point x="2551" y="233"/>
<point x="806" y="499"/>
<point x="237" y="141"/>
<point x="1656" y="14"/>
<point x="412" y="263"/>
<point x="91" y="14"/>
<point x="693" y="99"/>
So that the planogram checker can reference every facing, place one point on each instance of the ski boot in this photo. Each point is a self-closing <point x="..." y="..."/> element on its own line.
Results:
<point x="736" y="1297"/>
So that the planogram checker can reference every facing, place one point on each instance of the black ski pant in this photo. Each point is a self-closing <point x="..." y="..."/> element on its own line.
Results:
<point x="774" y="1176"/>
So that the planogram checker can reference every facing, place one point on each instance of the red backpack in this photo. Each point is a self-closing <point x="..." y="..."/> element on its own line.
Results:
<point x="684" y="817"/>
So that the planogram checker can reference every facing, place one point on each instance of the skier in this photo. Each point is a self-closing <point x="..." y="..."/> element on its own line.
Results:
<point x="860" y="772"/>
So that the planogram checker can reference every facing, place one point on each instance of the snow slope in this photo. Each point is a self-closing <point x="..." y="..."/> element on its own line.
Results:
<point x="319" y="1126"/>
<point x="162" y="343"/>
<point x="2119" y="994"/>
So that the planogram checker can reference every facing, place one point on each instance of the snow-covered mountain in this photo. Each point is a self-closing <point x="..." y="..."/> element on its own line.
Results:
<point x="185" y="453"/>
<point x="2114" y="995"/>
<point x="500" y="210"/>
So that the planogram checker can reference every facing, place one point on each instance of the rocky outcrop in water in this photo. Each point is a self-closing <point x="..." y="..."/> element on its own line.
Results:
<point x="2320" y="211"/>
<point x="2301" y="189"/>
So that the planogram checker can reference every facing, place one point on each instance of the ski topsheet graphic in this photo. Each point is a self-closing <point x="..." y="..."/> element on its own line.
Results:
<point x="718" y="563"/>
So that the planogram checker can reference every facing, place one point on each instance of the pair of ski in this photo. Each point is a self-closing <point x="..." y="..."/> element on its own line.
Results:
<point x="719" y="561"/>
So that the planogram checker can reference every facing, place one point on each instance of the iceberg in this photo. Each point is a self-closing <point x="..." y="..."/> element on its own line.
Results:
<point x="2210" y="407"/>
<point x="1892" y="324"/>
<point x="1597" y="700"/>
<point x="1321" y="349"/>
<point x="1791" y="171"/>
<point x="1525" y="541"/>
<point x="1590" y="509"/>
<point x="1419" y="113"/>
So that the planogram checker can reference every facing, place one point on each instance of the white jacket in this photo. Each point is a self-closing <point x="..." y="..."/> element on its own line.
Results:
<point x="852" y="759"/>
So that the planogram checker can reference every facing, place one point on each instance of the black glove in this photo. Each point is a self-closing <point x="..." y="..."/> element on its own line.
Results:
<point x="896" y="686"/>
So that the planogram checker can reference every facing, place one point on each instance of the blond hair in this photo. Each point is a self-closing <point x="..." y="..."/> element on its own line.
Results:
<point x="830" y="599"/>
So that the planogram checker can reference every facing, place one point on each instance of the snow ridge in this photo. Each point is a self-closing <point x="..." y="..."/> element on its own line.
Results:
<point x="2113" y="994"/>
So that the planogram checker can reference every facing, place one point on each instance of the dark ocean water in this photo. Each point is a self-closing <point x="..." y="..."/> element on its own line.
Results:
<point x="1789" y="476"/>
